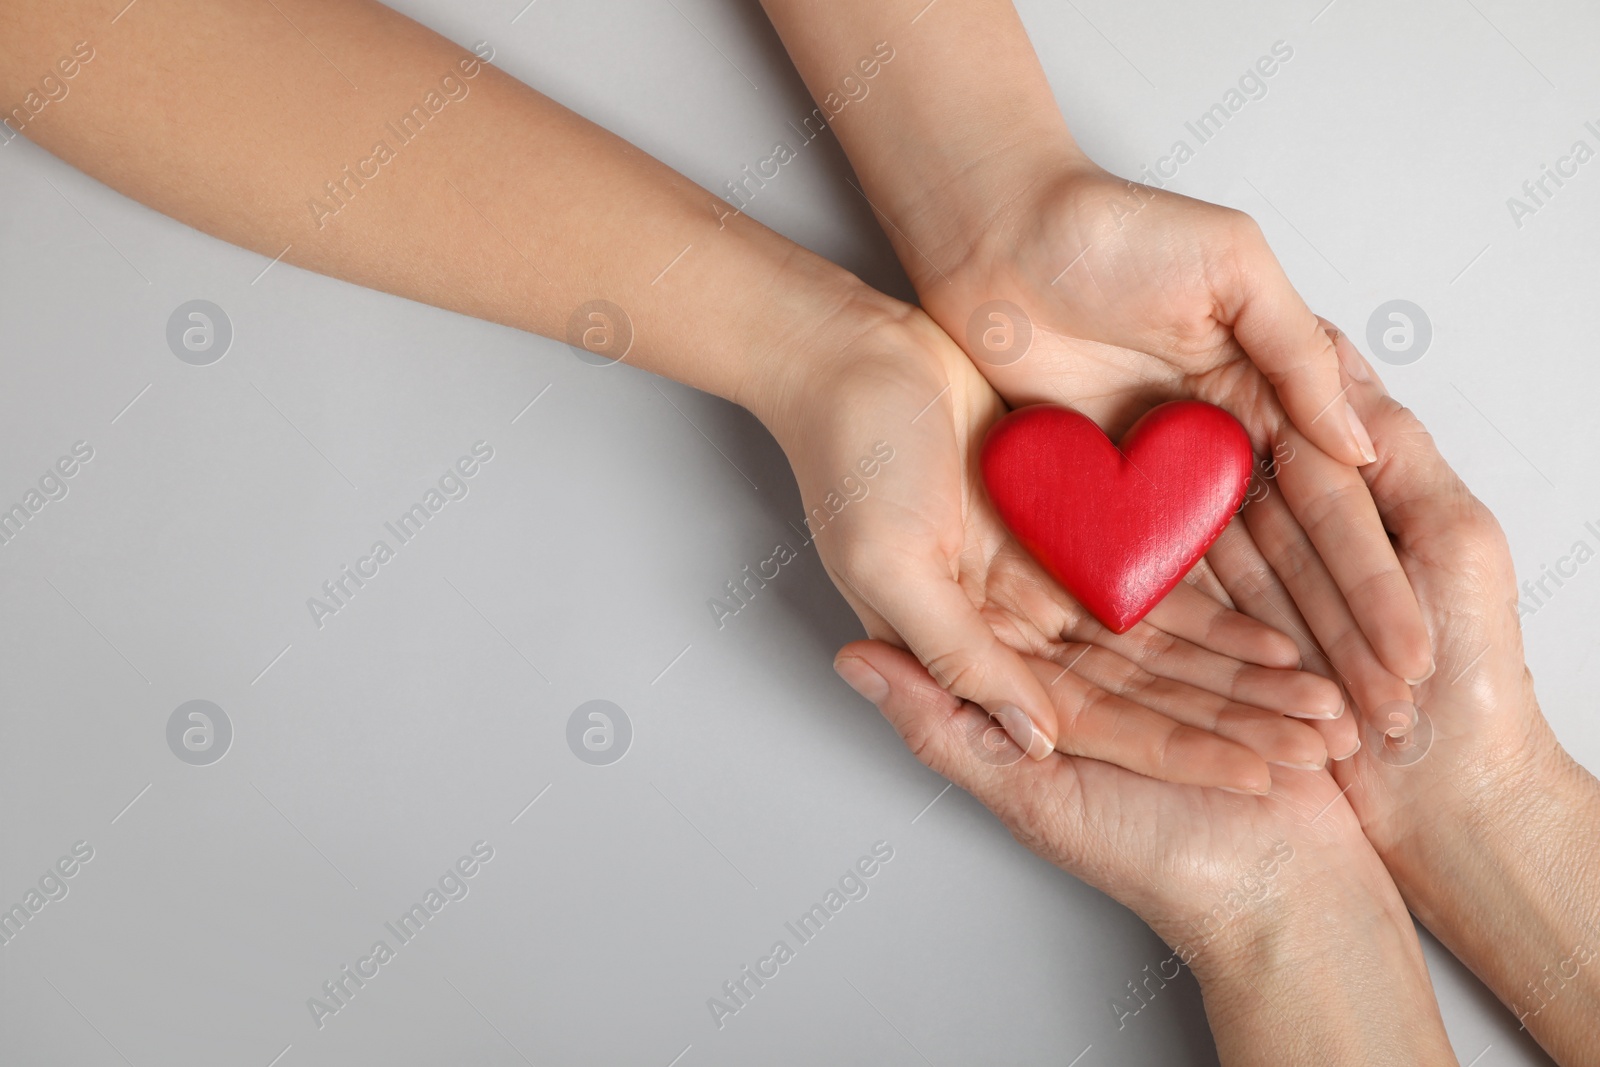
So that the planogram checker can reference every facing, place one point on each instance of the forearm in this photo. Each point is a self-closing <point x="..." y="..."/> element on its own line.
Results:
<point x="1508" y="877"/>
<point x="440" y="178"/>
<point x="1331" y="972"/>
<point x="958" y="121"/>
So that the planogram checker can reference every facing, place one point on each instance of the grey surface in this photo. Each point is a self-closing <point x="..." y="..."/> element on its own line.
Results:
<point x="370" y="754"/>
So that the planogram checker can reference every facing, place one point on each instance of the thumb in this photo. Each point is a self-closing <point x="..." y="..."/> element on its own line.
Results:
<point x="1416" y="491"/>
<point x="932" y="614"/>
<point x="952" y="737"/>
<point x="1288" y="343"/>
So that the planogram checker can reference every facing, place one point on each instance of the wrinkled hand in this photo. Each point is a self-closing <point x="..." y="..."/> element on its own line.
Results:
<point x="884" y="440"/>
<point x="1116" y="297"/>
<point x="1479" y="725"/>
<point x="1191" y="862"/>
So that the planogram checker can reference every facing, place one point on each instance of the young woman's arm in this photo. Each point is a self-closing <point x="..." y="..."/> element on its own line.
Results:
<point x="352" y="141"/>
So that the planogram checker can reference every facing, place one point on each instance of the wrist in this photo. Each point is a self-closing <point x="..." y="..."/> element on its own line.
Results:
<point x="1483" y="812"/>
<point x="808" y="342"/>
<point x="975" y="210"/>
<point x="1318" y="897"/>
<point x="1504" y="876"/>
<point x="1328" y="970"/>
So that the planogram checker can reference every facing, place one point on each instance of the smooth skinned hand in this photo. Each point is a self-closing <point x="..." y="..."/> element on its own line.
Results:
<point x="1134" y="296"/>
<point x="1197" y="693"/>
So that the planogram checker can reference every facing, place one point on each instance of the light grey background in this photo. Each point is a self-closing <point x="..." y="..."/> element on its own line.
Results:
<point x="425" y="716"/>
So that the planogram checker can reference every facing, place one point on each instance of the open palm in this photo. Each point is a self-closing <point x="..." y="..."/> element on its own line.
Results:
<point x="1111" y="297"/>
<point x="1195" y="694"/>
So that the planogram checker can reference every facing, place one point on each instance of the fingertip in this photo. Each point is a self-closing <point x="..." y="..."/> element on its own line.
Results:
<point x="1200" y="757"/>
<point x="1324" y="701"/>
<point x="1022" y="731"/>
<point x="861" y="676"/>
<point x="1278" y="650"/>
<point x="1254" y="775"/>
<point x="1253" y="788"/>
<point x="1359" y="435"/>
<point x="1408" y="656"/>
<point x="1425" y="675"/>
<point x="1338" y="734"/>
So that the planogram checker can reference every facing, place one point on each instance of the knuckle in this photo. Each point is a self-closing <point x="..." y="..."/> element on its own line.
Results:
<point x="1479" y="525"/>
<point x="1333" y="505"/>
<point x="860" y="560"/>
<point x="959" y="671"/>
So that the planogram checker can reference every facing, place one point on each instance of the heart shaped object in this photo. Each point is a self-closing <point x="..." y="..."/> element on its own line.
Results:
<point x="1118" y="528"/>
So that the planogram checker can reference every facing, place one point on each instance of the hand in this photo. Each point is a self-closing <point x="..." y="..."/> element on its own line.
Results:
<point x="1134" y="296"/>
<point x="1303" y="949"/>
<point x="1485" y="823"/>
<point x="883" y="435"/>
<point x="1474" y="725"/>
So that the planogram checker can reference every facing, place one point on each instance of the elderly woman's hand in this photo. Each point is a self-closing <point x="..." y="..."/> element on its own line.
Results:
<point x="1302" y="946"/>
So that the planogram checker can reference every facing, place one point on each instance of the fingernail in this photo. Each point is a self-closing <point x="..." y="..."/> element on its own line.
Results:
<point x="1363" y="439"/>
<point x="1015" y="722"/>
<point x="859" y="675"/>
<point x="1352" y="752"/>
<point x="1244" y="792"/>
<point x="1432" y="666"/>
<point x="1317" y="716"/>
<point x="1377" y="382"/>
<point x="1351" y="361"/>
<point x="1304" y="765"/>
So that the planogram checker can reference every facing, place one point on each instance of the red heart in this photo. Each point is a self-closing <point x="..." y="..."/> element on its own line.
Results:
<point x="1118" y="529"/>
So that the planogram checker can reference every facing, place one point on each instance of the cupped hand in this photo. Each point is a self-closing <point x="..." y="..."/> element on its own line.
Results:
<point x="1428" y="752"/>
<point x="1188" y="861"/>
<point x="883" y="435"/>
<point x="1110" y="297"/>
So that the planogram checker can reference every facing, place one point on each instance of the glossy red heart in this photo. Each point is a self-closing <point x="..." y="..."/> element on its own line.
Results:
<point x="1118" y="528"/>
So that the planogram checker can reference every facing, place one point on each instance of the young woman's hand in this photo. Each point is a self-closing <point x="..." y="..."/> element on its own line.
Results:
<point x="1088" y="290"/>
<point x="883" y="428"/>
<point x="1068" y="284"/>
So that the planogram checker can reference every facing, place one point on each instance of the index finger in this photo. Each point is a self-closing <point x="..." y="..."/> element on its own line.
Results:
<point x="1333" y="505"/>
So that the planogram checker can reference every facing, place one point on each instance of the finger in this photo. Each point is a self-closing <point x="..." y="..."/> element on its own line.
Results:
<point x="1353" y="365"/>
<point x="1201" y="619"/>
<point x="1276" y="739"/>
<point x="1258" y="592"/>
<point x="955" y="738"/>
<point x="1201" y="578"/>
<point x="1332" y="504"/>
<point x="1296" y="693"/>
<point x="1412" y="485"/>
<point x="932" y="614"/>
<point x="1286" y="341"/>
<point x="1102" y="725"/>
<point x="1322" y="605"/>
